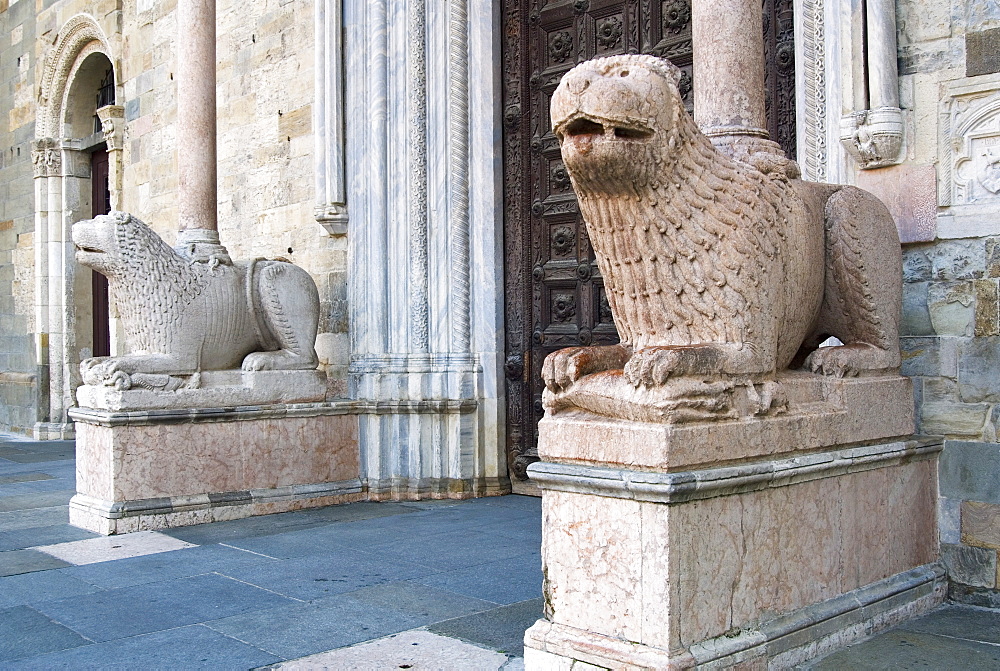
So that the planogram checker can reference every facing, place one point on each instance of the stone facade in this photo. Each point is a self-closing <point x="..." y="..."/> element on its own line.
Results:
<point x="951" y="270"/>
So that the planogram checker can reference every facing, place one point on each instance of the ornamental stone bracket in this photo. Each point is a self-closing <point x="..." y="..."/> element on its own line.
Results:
<point x="113" y="127"/>
<point x="873" y="138"/>
<point x="969" y="147"/>
<point x="46" y="159"/>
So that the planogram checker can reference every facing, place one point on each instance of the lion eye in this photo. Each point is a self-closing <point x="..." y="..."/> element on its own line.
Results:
<point x="632" y="133"/>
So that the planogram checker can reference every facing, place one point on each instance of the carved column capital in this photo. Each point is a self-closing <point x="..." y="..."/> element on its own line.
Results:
<point x="873" y="138"/>
<point x="112" y="125"/>
<point x="46" y="159"/>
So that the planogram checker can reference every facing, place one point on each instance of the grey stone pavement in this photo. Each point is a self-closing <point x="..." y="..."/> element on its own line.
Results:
<point x="427" y="585"/>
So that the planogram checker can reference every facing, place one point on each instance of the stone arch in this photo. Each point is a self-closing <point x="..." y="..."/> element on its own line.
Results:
<point x="67" y="136"/>
<point x="80" y="37"/>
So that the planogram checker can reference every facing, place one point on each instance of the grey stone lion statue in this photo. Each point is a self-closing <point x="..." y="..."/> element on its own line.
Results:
<point x="716" y="270"/>
<point x="183" y="316"/>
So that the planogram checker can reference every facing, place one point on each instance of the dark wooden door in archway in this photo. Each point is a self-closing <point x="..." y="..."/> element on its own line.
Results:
<point x="100" y="204"/>
<point x="554" y="293"/>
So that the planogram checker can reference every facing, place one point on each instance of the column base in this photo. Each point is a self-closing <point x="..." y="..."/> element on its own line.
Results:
<point x="53" y="431"/>
<point x="166" y="468"/>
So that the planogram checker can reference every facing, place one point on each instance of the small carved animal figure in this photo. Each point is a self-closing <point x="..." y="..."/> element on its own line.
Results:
<point x="715" y="267"/>
<point x="181" y="317"/>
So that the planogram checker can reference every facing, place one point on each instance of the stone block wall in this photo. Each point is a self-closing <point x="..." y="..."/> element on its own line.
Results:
<point x="18" y="372"/>
<point x="950" y="87"/>
<point x="266" y="156"/>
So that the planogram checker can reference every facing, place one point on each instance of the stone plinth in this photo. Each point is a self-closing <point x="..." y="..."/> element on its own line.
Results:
<point x="755" y="540"/>
<point x="166" y="468"/>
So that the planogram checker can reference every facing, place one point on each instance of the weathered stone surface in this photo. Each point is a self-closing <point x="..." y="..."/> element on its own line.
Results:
<point x="953" y="419"/>
<point x="972" y="566"/>
<point x="981" y="524"/>
<point x="929" y="356"/>
<point x="935" y="389"/>
<point x="916" y="316"/>
<point x="910" y="194"/>
<point x="952" y="308"/>
<point x="978" y="363"/>
<point x="957" y="260"/>
<point x="950" y="520"/>
<point x="969" y="471"/>
<point x="714" y="281"/>
<point x="987" y="307"/>
<point x="982" y="52"/>
<point x="916" y="265"/>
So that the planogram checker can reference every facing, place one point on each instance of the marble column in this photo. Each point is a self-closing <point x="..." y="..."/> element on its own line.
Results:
<point x="196" y="119"/>
<point x="729" y="106"/>
<point x="883" y="68"/>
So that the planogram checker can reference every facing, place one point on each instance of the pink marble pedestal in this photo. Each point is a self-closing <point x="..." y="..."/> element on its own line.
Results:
<point x="165" y="468"/>
<point x="780" y="547"/>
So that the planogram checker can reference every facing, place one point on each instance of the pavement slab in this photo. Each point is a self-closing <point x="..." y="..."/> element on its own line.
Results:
<point x="32" y="537"/>
<point x="416" y="650"/>
<point x="189" y="648"/>
<point x="26" y="633"/>
<point x="504" y="581"/>
<point x="14" y="562"/>
<point x="107" y="548"/>
<point x="501" y="629"/>
<point x="142" y="609"/>
<point x="40" y="586"/>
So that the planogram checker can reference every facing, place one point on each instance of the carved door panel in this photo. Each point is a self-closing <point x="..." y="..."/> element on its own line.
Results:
<point x="779" y="72"/>
<point x="554" y="292"/>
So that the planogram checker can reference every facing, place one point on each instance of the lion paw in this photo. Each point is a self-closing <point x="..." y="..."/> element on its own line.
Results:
<point x="563" y="367"/>
<point x="278" y="360"/>
<point x="838" y="361"/>
<point x="652" y="366"/>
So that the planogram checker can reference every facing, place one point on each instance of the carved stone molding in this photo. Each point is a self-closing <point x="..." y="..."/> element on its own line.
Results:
<point x="812" y="82"/>
<point x="331" y="194"/>
<point x="873" y="138"/>
<point x="77" y="34"/>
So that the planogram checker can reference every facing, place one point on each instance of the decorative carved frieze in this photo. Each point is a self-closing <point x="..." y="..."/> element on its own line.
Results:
<point x="46" y="159"/>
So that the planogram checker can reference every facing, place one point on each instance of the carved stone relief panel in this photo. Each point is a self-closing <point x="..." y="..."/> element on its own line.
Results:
<point x="975" y="147"/>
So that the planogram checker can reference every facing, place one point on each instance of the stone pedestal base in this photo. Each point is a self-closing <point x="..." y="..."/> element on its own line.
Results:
<point x="165" y="468"/>
<point x="776" y="548"/>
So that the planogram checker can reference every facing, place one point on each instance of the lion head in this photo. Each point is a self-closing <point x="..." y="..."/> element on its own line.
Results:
<point x="616" y="119"/>
<point x="96" y="241"/>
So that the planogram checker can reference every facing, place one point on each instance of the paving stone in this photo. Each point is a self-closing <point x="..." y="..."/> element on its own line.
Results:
<point x="900" y="649"/>
<point x="428" y="604"/>
<point x="26" y="632"/>
<point x="307" y="628"/>
<point x="28" y="588"/>
<point x="500" y="629"/>
<point x="29" y="538"/>
<point x="408" y="650"/>
<point x="14" y="562"/>
<point x="505" y="581"/>
<point x="37" y="487"/>
<point x="182" y="563"/>
<point x="35" y="517"/>
<point x="108" y="548"/>
<point x="268" y="525"/>
<point x="36" y="500"/>
<point x="142" y="609"/>
<point x="56" y="450"/>
<point x="24" y="477"/>
<point x="333" y="572"/>
<point x="450" y="551"/>
<point x="191" y="647"/>
<point x="975" y="624"/>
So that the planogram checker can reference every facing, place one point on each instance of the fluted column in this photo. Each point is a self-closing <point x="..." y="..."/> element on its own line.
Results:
<point x="728" y="41"/>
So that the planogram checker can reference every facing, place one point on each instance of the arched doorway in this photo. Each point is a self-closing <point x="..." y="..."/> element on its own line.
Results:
<point x="77" y="175"/>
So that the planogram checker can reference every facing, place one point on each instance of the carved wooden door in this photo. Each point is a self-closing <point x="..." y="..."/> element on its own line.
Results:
<point x="554" y="293"/>
<point x="100" y="204"/>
